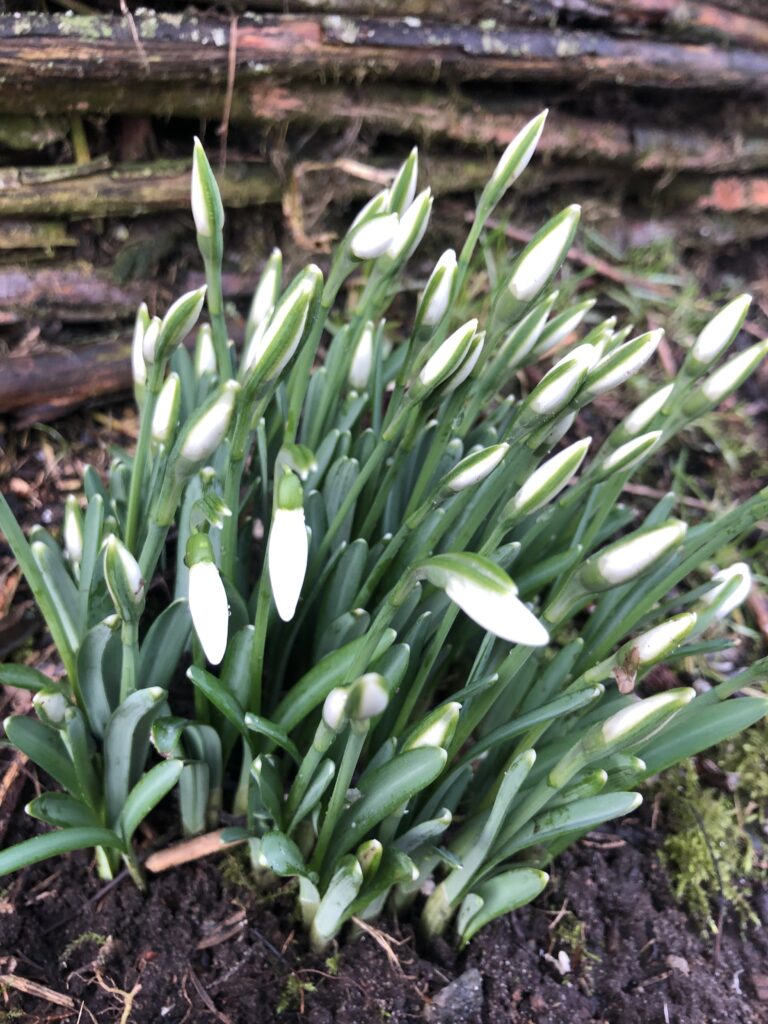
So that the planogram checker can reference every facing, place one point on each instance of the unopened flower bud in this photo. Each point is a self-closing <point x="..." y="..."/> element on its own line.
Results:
<point x="629" y="454"/>
<point x="659" y="642"/>
<point x="550" y="478"/>
<point x="124" y="580"/>
<point x="645" y="413"/>
<point x="468" y="363"/>
<point x="51" y="707"/>
<point x="207" y="208"/>
<point x="138" y="365"/>
<point x="724" y="381"/>
<point x="562" y="326"/>
<point x="446" y="360"/>
<point x="335" y="708"/>
<point x="538" y="262"/>
<point x="362" y="360"/>
<point x="474" y="468"/>
<point x="621" y="364"/>
<point x="368" y="697"/>
<point x="437" y="293"/>
<point x="178" y="322"/>
<point x="722" y="578"/>
<point x="719" y="332"/>
<point x="412" y="226"/>
<point x="288" y="547"/>
<point x="403" y="188"/>
<point x="627" y="558"/>
<point x="374" y="237"/>
<point x="166" y="414"/>
<point x="437" y="729"/>
<point x="73" y="530"/>
<point x="513" y="162"/>
<point x="271" y="351"/>
<point x="266" y="294"/>
<point x="149" y="341"/>
<point x="205" y="353"/>
<point x="205" y="431"/>
<point x="208" y="605"/>
<point x="562" y="383"/>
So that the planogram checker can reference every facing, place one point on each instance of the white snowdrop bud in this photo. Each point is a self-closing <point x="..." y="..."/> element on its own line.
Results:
<point x="543" y="255"/>
<point x="403" y="188"/>
<point x="208" y="605"/>
<point x="138" y="364"/>
<point x="719" y="332"/>
<point x="513" y="161"/>
<point x="51" y="707"/>
<point x="124" y="580"/>
<point x="550" y="478"/>
<point x="724" y="381"/>
<point x="362" y="360"/>
<point x="73" y="530"/>
<point x="207" y="429"/>
<point x="562" y="383"/>
<point x="635" y="721"/>
<point x="722" y="578"/>
<point x="412" y="226"/>
<point x="629" y="454"/>
<point x="271" y="351"/>
<point x="374" y="237"/>
<point x="437" y="729"/>
<point x="447" y="359"/>
<point x="166" y="414"/>
<point x="207" y="208"/>
<point x="475" y="467"/>
<point x="659" y="642"/>
<point x="266" y="294"/>
<point x="437" y="293"/>
<point x="622" y="363"/>
<point x="627" y="558"/>
<point x="562" y="326"/>
<point x="368" y="697"/>
<point x="335" y="708"/>
<point x="149" y="341"/>
<point x="645" y="413"/>
<point x="288" y="547"/>
<point x="205" y="353"/>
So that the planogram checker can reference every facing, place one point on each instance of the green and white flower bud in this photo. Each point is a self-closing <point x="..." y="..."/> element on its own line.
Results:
<point x="178" y="322"/>
<point x="412" y="226"/>
<point x="562" y="383"/>
<point x="288" y="548"/>
<point x="271" y="351"/>
<point x="362" y="360"/>
<point x="722" y="578"/>
<point x="149" y="341"/>
<point x="205" y="431"/>
<point x="521" y="339"/>
<point x="627" y="558"/>
<point x="468" y="364"/>
<point x="335" y="708"/>
<point x="266" y="294"/>
<point x="628" y="728"/>
<point x="138" y="365"/>
<point x="539" y="261"/>
<point x="486" y="594"/>
<point x="724" y="381"/>
<point x="621" y="364"/>
<point x="645" y="413"/>
<point x="659" y="642"/>
<point x="403" y="188"/>
<point x="369" y="856"/>
<point x="513" y="162"/>
<point x="207" y="207"/>
<point x="166" y="414"/>
<point x="718" y="333"/>
<point x="547" y="437"/>
<point x="437" y="729"/>
<point x="124" y="580"/>
<point x="374" y="237"/>
<point x="474" y="468"/>
<point x="549" y="479"/>
<point x="629" y="454"/>
<point x="73" y="530"/>
<point x="562" y="326"/>
<point x="205" y="354"/>
<point x="446" y="360"/>
<point x="368" y="697"/>
<point x="208" y="604"/>
<point x="51" y="707"/>
<point x="375" y="206"/>
<point x="437" y="293"/>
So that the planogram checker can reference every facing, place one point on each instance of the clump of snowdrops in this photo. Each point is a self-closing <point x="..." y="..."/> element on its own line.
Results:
<point x="409" y="617"/>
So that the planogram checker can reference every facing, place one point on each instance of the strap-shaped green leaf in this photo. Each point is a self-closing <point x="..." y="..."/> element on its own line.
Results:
<point x="23" y="676"/>
<point x="126" y="744"/>
<point x="263" y="726"/>
<point x="98" y="672"/>
<point x="62" y="811"/>
<point x="321" y="780"/>
<point x="220" y="697"/>
<point x="146" y="795"/>
<point x="283" y="856"/>
<point x="61" y="589"/>
<point x="270" y="787"/>
<point x="500" y="895"/>
<point x="43" y="745"/>
<point x="164" y="645"/>
<point x="52" y="844"/>
<point x="338" y="897"/>
<point x="386" y="790"/>
<point x="396" y="867"/>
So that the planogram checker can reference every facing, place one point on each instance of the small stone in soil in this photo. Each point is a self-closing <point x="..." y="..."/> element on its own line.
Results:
<point x="461" y="1002"/>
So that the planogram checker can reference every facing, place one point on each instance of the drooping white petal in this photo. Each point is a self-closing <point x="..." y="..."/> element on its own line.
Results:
<point x="362" y="360"/>
<point x="375" y="237"/>
<point x="209" y="609"/>
<point x="287" y="555"/>
<point x="502" y="614"/>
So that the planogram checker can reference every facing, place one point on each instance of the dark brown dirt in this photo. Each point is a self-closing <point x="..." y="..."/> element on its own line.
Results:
<point x="202" y="948"/>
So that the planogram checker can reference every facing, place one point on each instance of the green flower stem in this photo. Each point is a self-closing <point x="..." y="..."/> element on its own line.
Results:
<point x="260" y="623"/>
<point x="215" y="303"/>
<point x="129" y="635"/>
<point x="246" y="416"/>
<point x="23" y="555"/>
<point x="442" y="433"/>
<point x="358" y="732"/>
<point x="104" y="867"/>
<point x="324" y="737"/>
<point x="140" y="459"/>
<point x="153" y="548"/>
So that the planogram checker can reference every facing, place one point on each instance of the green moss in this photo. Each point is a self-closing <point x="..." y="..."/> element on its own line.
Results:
<point x="293" y="993"/>
<point x="96" y="938"/>
<point x="747" y="756"/>
<point x="708" y="856"/>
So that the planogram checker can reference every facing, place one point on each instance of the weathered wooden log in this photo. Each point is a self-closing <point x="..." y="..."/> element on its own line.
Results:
<point x="162" y="47"/>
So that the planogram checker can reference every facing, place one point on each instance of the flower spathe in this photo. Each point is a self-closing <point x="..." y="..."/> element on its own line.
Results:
<point x="374" y="237"/>
<point x="287" y="556"/>
<point x="722" y="578"/>
<point x="209" y="609"/>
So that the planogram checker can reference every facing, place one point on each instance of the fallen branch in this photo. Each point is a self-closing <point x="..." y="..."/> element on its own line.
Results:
<point x="188" y="850"/>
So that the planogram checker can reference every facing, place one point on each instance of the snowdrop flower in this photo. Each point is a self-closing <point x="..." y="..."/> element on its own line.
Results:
<point x="543" y="255"/>
<point x="645" y="413"/>
<point x="208" y="603"/>
<point x="177" y="323"/>
<point x="446" y="360"/>
<point x="437" y="729"/>
<point x="124" y="579"/>
<point x="486" y="594"/>
<point x="621" y="364"/>
<point x="207" y="208"/>
<point x="468" y="364"/>
<point x="513" y="161"/>
<point x="149" y="342"/>
<point x="562" y="383"/>
<point x="335" y="708"/>
<point x="138" y="364"/>
<point x="659" y="642"/>
<point x="719" y="332"/>
<point x="207" y="429"/>
<point x="629" y="454"/>
<point x="403" y="188"/>
<point x="629" y="557"/>
<point x="722" y="578"/>
<point x="73" y="530"/>
<point x="410" y="230"/>
<point x="288" y="548"/>
<point x="437" y="293"/>
<point x="550" y="478"/>
<point x="270" y="352"/>
<point x="205" y="353"/>
<point x="51" y="707"/>
<point x="374" y="237"/>
<point x="726" y="379"/>
<point x="368" y="697"/>
<point x="166" y="412"/>
<point x="562" y="326"/>
<point x="362" y="360"/>
<point x="475" y="468"/>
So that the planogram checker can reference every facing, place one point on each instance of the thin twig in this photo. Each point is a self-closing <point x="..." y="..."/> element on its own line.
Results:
<point x="223" y="130"/>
